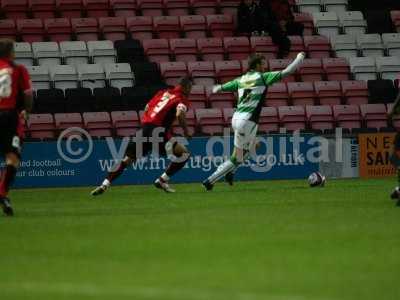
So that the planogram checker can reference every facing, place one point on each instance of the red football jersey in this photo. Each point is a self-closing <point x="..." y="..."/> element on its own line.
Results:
<point x="161" y="110"/>
<point x="14" y="79"/>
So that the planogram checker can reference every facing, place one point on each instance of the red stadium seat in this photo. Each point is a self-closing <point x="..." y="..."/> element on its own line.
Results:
<point x="317" y="46"/>
<point x="123" y="8"/>
<point x="58" y="29"/>
<point x="238" y="48"/>
<point x="301" y="93"/>
<point x="173" y="71"/>
<point x="374" y="115"/>
<point x="211" y="49"/>
<point x="41" y="126"/>
<point x="355" y="92"/>
<point x="31" y="30"/>
<point x="347" y="116"/>
<point x="228" y="114"/>
<point x="328" y="92"/>
<point x="177" y="7"/>
<point x="194" y="26"/>
<point x="220" y="25"/>
<point x="264" y="46"/>
<point x="297" y="45"/>
<point x="43" y="9"/>
<point x="113" y="28"/>
<point x="184" y="49"/>
<point x="167" y="27"/>
<point x="15" y="9"/>
<point x="202" y="72"/>
<point x="190" y="122"/>
<point x="97" y="8"/>
<point x="227" y="70"/>
<point x="8" y="30"/>
<point x="229" y="7"/>
<point x="140" y="28"/>
<point x="320" y="117"/>
<point x="151" y="7"/>
<point x="281" y="64"/>
<point x="245" y="65"/>
<point x="336" y="68"/>
<point x="210" y="121"/>
<point x="70" y="8"/>
<point x="292" y="117"/>
<point x="307" y="20"/>
<point x="98" y="124"/>
<point x="198" y="97"/>
<point x="204" y="7"/>
<point x="157" y="50"/>
<point x="221" y="99"/>
<point x="86" y="29"/>
<point x="269" y="120"/>
<point x="311" y="70"/>
<point x="67" y="120"/>
<point x="126" y="123"/>
<point x="277" y="95"/>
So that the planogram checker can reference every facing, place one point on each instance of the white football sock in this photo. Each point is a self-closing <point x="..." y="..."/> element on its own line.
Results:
<point x="221" y="171"/>
<point x="106" y="183"/>
<point x="165" y="177"/>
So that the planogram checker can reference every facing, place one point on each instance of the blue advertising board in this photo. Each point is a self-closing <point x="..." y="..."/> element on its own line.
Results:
<point x="85" y="163"/>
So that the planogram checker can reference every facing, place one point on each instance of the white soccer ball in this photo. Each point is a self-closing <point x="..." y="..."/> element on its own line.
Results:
<point x="316" y="179"/>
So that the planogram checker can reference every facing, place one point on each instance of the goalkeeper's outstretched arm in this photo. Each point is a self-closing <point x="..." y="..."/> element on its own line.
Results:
<point x="290" y="69"/>
<point x="230" y="86"/>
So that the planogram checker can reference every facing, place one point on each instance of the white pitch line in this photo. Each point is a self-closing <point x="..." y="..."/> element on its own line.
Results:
<point x="143" y="292"/>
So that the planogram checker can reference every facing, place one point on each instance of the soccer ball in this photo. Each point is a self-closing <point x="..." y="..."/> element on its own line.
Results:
<point x="316" y="179"/>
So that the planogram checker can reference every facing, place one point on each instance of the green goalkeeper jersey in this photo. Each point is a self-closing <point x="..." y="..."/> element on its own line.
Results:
<point x="252" y="88"/>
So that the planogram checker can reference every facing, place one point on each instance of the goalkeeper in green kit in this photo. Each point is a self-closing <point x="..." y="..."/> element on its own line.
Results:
<point x="252" y="88"/>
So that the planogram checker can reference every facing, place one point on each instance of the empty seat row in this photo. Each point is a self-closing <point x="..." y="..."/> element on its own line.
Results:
<point x="74" y="53"/>
<point x="213" y="121"/>
<point x="370" y="68"/>
<point x="317" y="93"/>
<point x="294" y="93"/>
<point x="86" y="75"/>
<point x="315" y="6"/>
<point x="208" y="72"/>
<point x="320" y="118"/>
<point x="331" y="24"/>
<point x="45" y="126"/>
<point x="103" y="8"/>
<point x="373" y="45"/>
<point x="280" y="94"/>
<point x="98" y="99"/>
<point x="116" y="28"/>
<point x="213" y="49"/>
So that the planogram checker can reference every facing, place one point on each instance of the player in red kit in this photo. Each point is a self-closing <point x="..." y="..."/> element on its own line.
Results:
<point x="15" y="101"/>
<point x="160" y="113"/>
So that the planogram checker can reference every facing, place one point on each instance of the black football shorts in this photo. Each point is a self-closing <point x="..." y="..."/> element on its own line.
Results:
<point x="9" y="140"/>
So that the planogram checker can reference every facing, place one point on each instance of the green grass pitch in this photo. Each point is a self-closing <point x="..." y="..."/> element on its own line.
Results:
<point x="277" y="240"/>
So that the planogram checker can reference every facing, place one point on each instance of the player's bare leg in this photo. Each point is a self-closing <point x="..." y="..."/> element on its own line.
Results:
<point x="182" y="155"/>
<point x="12" y="163"/>
<point x="118" y="170"/>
